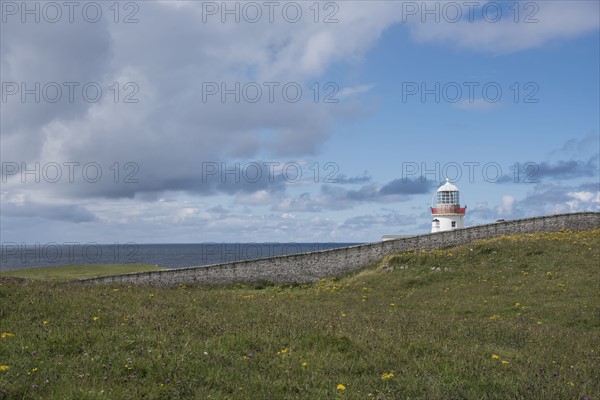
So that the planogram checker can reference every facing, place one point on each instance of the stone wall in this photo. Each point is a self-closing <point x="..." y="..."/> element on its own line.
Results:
<point x="309" y="267"/>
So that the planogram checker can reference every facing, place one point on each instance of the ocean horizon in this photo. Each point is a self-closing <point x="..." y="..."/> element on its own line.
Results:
<point x="15" y="256"/>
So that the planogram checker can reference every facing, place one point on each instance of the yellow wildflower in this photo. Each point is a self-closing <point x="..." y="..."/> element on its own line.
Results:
<point x="45" y="322"/>
<point x="4" y="368"/>
<point x="495" y="356"/>
<point x="341" y="387"/>
<point x="386" y="376"/>
<point x="6" y="335"/>
<point x="505" y="362"/>
<point x="304" y="364"/>
<point x="283" y="351"/>
<point x="95" y="318"/>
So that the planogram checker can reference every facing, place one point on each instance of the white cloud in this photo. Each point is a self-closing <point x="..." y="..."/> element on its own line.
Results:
<point x="582" y="201"/>
<point x="351" y="91"/>
<point x="258" y="198"/>
<point x="186" y="213"/>
<point x="316" y="53"/>
<point x="506" y="206"/>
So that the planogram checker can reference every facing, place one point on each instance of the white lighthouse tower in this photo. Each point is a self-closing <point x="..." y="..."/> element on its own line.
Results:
<point x="447" y="215"/>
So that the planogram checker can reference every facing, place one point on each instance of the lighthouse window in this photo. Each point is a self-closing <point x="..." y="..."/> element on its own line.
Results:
<point x="454" y="224"/>
<point x="454" y="198"/>
<point x="443" y="197"/>
<point x="448" y="198"/>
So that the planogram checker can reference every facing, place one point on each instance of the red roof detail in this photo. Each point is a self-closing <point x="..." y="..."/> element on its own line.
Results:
<point x="449" y="210"/>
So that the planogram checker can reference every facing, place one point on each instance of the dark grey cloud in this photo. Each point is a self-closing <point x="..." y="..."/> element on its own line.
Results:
<point x="336" y="197"/>
<point x="531" y="172"/>
<point x="569" y="169"/>
<point x="396" y="190"/>
<point x="76" y="214"/>
<point x="221" y="178"/>
<point x="589" y="187"/>
<point x="577" y="146"/>
<point x="354" y="180"/>
<point x="408" y="187"/>
<point x="218" y="210"/>
<point x="339" y="194"/>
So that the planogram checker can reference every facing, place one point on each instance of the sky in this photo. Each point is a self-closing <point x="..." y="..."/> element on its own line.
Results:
<point x="193" y="121"/>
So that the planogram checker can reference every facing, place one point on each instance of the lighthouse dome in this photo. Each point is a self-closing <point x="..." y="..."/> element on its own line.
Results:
<point x="447" y="187"/>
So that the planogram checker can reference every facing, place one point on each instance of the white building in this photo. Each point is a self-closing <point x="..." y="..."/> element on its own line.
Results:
<point x="447" y="215"/>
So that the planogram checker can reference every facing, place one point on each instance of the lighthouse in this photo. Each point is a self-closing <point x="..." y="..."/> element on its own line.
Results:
<point x="447" y="215"/>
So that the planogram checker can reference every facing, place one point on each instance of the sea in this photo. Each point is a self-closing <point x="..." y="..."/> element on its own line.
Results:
<point x="21" y="256"/>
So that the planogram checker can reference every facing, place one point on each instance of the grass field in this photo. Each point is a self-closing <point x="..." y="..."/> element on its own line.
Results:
<point x="77" y="271"/>
<point x="510" y="318"/>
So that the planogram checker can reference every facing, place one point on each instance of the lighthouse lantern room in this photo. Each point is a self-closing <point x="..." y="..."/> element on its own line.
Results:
<point x="447" y="215"/>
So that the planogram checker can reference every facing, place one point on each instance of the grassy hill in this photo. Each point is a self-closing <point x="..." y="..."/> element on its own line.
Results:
<point x="514" y="317"/>
<point x="70" y="272"/>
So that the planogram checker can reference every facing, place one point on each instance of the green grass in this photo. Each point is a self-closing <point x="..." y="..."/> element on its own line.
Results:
<point x="509" y="318"/>
<point x="77" y="271"/>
